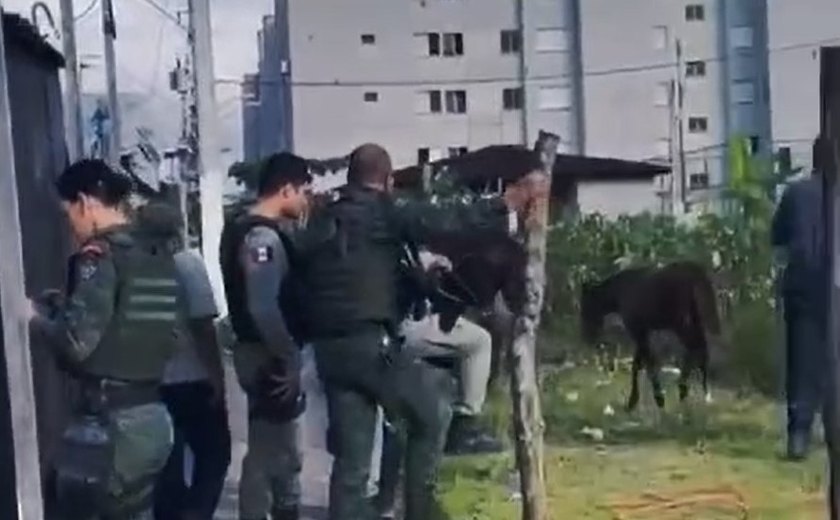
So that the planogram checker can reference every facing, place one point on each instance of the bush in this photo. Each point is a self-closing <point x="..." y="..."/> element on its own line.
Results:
<point x="734" y="249"/>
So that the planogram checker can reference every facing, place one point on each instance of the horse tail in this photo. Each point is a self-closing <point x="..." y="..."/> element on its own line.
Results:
<point x="705" y="304"/>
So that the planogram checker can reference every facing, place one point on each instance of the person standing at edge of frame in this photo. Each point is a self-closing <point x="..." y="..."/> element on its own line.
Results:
<point x="114" y="331"/>
<point x="354" y="279"/>
<point x="797" y="235"/>
<point x="194" y="380"/>
<point x="259" y="261"/>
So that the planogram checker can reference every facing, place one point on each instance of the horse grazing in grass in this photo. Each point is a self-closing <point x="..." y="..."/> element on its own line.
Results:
<point x="678" y="297"/>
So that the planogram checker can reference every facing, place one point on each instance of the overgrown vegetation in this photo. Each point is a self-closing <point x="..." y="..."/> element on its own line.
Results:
<point x="601" y="457"/>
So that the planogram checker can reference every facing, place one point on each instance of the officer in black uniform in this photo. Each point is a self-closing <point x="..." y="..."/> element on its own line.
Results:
<point x="355" y="308"/>
<point x="258" y="263"/>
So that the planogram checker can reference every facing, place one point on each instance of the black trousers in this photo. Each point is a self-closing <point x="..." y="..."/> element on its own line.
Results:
<point x="203" y="426"/>
<point x="806" y="356"/>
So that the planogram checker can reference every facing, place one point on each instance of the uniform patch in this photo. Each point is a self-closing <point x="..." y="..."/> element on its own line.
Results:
<point x="262" y="254"/>
<point x="87" y="269"/>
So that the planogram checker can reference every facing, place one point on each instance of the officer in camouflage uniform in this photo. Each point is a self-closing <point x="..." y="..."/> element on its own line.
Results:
<point x="114" y="330"/>
<point x="258" y="262"/>
<point x="355" y="306"/>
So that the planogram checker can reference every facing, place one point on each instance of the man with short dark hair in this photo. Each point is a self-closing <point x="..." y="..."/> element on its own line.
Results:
<point x="356" y="304"/>
<point x="258" y="261"/>
<point x="193" y="384"/>
<point x="797" y="234"/>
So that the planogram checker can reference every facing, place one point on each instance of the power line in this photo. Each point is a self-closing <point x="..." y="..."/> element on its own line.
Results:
<point x="86" y="11"/>
<point x="511" y="79"/>
<point x="165" y="13"/>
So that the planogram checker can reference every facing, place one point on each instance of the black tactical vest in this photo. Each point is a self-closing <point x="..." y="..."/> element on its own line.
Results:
<point x="233" y="273"/>
<point x="140" y="337"/>
<point x="355" y="278"/>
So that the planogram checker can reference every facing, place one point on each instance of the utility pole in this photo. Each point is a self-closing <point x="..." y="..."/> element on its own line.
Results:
<point x="828" y="158"/>
<point x="211" y="173"/>
<point x="109" y="31"/>
<point x="15" y="324"/>
<point x="522" y="69"/>
<point x="72" y="75"/>
<point x="677" y="97"/>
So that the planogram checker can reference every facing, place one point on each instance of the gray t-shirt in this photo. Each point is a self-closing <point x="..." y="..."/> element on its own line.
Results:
<point x="195" y="301"/>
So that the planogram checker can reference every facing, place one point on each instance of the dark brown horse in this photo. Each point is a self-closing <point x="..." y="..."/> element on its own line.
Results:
<point x="678" y="297"/>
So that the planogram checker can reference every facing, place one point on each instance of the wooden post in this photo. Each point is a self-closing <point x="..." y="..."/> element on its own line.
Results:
<point x="15" y="325"/>
<point x="524" y="380"/>
<point x="828" y="159"/>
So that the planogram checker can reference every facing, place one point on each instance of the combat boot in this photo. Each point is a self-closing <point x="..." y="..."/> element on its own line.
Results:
<point x="467" y="437"/>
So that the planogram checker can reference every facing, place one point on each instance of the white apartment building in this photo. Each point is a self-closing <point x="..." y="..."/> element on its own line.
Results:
<point x="431" y="78"/>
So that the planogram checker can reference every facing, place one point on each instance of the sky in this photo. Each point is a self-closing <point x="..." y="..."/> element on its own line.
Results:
<point x="146" y="47"/>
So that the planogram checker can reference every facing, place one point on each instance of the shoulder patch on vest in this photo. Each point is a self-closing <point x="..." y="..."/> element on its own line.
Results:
<point x="262" y="254"/>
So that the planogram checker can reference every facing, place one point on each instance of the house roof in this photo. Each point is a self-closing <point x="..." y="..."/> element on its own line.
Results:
<point x="20" y="33"/>
<point x="510" y="162"/>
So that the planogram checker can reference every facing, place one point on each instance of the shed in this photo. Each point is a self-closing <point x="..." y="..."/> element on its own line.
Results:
<point x="40" y="155"/>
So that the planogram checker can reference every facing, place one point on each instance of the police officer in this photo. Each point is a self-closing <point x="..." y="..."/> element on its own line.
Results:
<point x="797" y="232"/>
<point x="258" y="261"/>
<point x="114" y="330"/>
<point x="354" y="305"/>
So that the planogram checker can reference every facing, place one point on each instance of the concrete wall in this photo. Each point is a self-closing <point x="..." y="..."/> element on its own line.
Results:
<point x="615" y="198"/>
<point x="796" y="31"/>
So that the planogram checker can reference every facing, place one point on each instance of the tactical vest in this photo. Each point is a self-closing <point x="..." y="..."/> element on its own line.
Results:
<point x="233" y="273"/>
<point x="140" y="337"/>
<point x="356" y="277"/>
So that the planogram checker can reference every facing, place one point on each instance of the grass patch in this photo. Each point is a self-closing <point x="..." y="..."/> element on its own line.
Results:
<point x="598" y="455"/>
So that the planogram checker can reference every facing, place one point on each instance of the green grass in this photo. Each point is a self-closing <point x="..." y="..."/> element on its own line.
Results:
<point x="733" y="443"/>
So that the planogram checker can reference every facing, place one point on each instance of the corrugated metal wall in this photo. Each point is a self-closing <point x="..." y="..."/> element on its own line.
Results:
<point x="40" y="155"/>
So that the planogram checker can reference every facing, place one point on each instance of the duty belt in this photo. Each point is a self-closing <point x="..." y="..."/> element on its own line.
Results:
<point x="101" y="395"/>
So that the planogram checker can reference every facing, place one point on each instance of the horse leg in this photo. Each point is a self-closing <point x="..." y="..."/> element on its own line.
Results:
<point x="704" y="371"/>
<point x="685" y="374"/>
<point x="633" y="401"/>
<point x="652" y="368"/>
<point x="689" y="361"/>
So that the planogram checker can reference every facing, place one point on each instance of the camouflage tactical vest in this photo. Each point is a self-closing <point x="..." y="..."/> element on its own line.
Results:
<point x="140" y="338"/>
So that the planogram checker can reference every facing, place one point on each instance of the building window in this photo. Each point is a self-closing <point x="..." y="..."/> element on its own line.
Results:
<point x="555" y="98"/>
<point x="368" y="39"/>
<point x="423" y="155"/>
<point x="371" y="97"/>
<point x="551" y="40"/>
<point x="695" y="13"/>
<point x="457" y="151"/>
<point x="743" y="92"/>
<point x="434" y="44"/>
<point x="698" y="125"/>
<point x="453" y="44"/>
<point x="698" y="181"/>
<point x="511" y="42"/>
<point x="755" y="144"/>
<point x="742" y="37"/>
<point x="695" y="69"/>
<point x="513" y="98"/>
<point x="456" y="101"/>
<point x="660" y="37"/>
<point x="428" y="102"/>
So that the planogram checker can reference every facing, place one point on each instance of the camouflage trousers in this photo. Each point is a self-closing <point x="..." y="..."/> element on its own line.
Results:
<point x="142" y="440"/>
